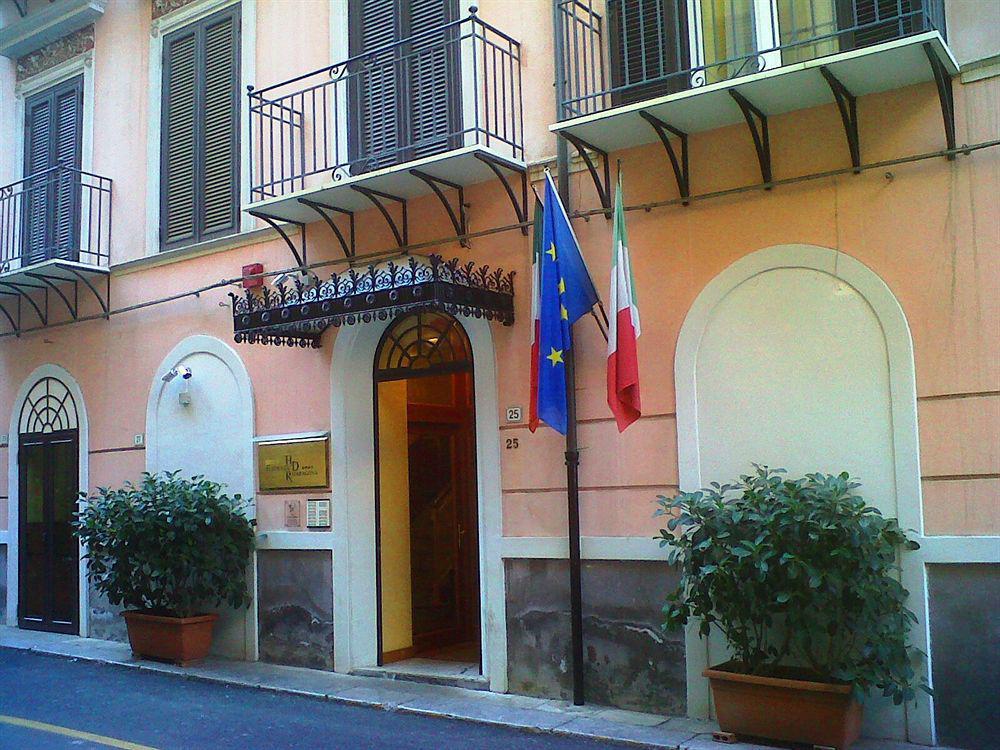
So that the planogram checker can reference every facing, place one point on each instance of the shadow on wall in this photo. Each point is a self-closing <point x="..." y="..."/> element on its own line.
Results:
<point x="631" y="662"/>
<point x="106" y="621"/>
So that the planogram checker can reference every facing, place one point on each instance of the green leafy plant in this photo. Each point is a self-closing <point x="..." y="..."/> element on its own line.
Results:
<point x="167" y="546"/>
<point x="794" y="572"/>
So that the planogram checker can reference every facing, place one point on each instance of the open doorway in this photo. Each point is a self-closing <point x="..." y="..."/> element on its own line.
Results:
<point x="426" y="495"/>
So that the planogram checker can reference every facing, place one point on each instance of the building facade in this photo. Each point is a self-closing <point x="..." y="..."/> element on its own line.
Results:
<point x="322" y="208"/>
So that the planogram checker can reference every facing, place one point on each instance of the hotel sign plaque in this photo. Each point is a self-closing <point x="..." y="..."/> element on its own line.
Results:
<point x="290" y="465"/>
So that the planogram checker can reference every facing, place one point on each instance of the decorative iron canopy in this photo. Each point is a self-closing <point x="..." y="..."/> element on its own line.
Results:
<point x="298" y="315"/>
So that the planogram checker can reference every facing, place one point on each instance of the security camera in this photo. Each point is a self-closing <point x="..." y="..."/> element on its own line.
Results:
<point x="184" y="372"/>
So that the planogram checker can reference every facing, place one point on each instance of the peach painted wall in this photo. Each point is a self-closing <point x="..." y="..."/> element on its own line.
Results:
<point x="931" y="230"/>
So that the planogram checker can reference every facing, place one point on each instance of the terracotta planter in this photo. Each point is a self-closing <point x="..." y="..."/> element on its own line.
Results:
<point x="181" y="640"/>
<point x="784" y="708"/>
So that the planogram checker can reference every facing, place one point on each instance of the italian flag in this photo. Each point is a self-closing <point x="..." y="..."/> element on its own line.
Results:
<point x="623" y="328"/>
<point x="536" y="321"/>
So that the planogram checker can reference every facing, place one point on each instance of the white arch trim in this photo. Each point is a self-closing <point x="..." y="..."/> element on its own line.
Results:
<point x="353" y="468"/>
<point x="13" y="484"/>
<point x="244" y="434"/>
<point x="902" y="385"/>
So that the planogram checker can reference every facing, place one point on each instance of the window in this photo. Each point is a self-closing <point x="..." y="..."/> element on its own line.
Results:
<point x="200" y="148"/>
<point x="406" y="103"/>
<point x="649" y="43"/>
<point x="53" y="127"/>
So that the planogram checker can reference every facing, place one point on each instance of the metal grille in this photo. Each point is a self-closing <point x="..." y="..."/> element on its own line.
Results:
<point x="623" y="51"/>
<point x="48" y="407"/>
<point x="427" y="340"/>
<point x="347" y="119"/>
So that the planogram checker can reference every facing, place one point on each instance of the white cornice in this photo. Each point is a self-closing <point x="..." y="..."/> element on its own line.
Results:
<point x="48" y="24"/>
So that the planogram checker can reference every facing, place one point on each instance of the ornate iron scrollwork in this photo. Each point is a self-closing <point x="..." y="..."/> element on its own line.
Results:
<point x="297" y="314"/>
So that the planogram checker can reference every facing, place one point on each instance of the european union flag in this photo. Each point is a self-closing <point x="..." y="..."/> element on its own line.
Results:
<point x="566" y="292"/>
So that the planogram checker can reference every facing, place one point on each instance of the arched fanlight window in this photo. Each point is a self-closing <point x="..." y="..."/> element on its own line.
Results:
<point x="424" y="341"/>
<point x="49" y="407"/>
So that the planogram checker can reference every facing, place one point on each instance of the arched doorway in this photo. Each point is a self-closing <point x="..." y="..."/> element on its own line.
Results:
<point x="48" y="488"/>
<point x="426" y="512"/>
<point x="800" y="356"/>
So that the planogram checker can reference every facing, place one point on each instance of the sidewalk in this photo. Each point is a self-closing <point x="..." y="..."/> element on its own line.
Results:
<point x="531" y="714"/>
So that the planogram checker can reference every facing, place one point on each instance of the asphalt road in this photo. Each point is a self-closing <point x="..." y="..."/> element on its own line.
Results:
<point x="49" y="703"/>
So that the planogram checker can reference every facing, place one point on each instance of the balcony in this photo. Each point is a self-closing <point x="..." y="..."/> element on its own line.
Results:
<point x="638" y="71"/>
<point x="429" y="114"/>
<point x="55" y="239"/>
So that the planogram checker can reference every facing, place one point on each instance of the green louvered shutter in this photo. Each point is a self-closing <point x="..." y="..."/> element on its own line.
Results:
<point x="200" y="131"/>
<point x="53" y="126"/>
<point x="221" y="196"/>
<point x="434" y="95"/>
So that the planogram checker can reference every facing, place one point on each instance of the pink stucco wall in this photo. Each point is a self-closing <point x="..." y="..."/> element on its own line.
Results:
<point x="931" y="230"/>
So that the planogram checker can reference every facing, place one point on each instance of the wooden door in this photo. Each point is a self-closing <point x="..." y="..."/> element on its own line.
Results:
<point x="48" y="552"/>
<point x="444" y="540"/>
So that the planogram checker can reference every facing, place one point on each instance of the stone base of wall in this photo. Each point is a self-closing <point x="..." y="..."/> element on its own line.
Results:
<point x="295" y="607"/>
<point x="3" y="584"/>
<point x="106" y="620"/>
<point x="629" y="661"/>
<point x="965" y="643"/>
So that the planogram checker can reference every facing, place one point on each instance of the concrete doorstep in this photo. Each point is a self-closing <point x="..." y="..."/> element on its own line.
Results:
<point x="627" y="728"/>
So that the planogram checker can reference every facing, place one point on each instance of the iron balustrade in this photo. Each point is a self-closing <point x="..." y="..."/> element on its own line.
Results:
<point x="60" y="213"/>
<point x="383" y="108"/>
<point x="618" y="52"/>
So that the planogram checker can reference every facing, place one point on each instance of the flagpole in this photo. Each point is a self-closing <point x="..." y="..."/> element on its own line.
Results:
<point x="572" y="445"/>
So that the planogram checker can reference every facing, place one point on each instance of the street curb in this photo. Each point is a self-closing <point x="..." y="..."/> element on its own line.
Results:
<point x="556" y="730"/>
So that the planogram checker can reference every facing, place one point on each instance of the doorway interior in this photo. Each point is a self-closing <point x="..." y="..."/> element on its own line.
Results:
<point x="48" y="490"/>
<point x="426" y="498"/>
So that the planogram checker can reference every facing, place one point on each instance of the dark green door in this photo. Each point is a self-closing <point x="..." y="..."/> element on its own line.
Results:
<point x="48" y="553"/>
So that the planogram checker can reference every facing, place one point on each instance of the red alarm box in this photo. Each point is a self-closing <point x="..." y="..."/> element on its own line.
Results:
<point x="250" y="271"/>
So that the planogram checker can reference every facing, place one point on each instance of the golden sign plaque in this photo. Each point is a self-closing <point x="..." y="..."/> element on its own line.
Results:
<point x="289" y="465"/>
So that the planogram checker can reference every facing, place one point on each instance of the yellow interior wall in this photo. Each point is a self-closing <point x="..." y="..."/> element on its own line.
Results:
<point x="394" y="509"/>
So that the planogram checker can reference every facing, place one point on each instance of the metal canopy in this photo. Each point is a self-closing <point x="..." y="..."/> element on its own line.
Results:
<point x="299" y="315"/>
<point x="389" y="189"/>
<point x="751" y="99"/>
<point x="28" y="294"/>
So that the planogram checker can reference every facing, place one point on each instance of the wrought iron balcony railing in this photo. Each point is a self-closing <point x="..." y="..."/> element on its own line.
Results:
<point x="61" y="213"/>
<point x="448" y="88"/>
<point x="618" y="52"/>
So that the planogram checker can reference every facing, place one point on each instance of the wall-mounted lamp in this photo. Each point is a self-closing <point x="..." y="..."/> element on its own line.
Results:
<point x="184" y="396"/>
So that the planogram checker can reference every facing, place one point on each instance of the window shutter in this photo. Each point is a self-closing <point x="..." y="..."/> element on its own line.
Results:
<point x="885" y="20"/>
<point x="434" y="77"/>
<point x="377" y="23"/>
<point x="37" y="159"/>
<point x="200" y="175"/>
<point x="648" y="42"/>
<point x="222" y="108"/>
<point x="68" y="106"/>
<point x="53" y="135"/>
<point x="180" y="138"/>
<point x="409" y="101"/>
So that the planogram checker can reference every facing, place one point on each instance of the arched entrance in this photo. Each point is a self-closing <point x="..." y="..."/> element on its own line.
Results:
<point x="48" y="468"/>
<point x="800" y="356"/>
<point x="426" y="511"/>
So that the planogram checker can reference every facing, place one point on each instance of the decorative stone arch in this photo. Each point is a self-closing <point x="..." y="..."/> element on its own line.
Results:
<point x="213" y="435"/>
<point x="49" y="399"/>
<point x="904" y="435"/>
<point x="353" y="469"/>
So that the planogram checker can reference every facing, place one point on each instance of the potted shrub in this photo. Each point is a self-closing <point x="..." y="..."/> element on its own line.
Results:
<point x="166" y="550"/>
<point x="801" y="578"/>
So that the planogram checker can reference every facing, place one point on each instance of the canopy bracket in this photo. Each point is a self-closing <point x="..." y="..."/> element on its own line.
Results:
<point x="520" y="206"/>
<point x="603" y="187"/>
<point x="349" y="247"/>
<point x="105" y="301"/>
<point x="72" y="307"/>
<point x="847" y="103"/>
<point x="43" y="317"/>
<point x="757" y="124"/>
<point x="943" y="81"/>
<point x="460" y="220"/>
<point x="14" y="324"/>
<point x="681" y="168"/>
<point x="300" y="258"/>
<point x="376" y="197"/>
